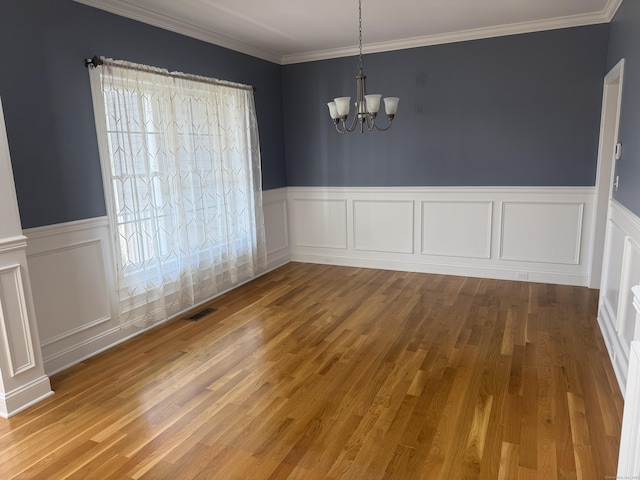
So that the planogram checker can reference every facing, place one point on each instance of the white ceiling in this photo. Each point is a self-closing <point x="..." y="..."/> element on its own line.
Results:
<point x="291" y="31"/>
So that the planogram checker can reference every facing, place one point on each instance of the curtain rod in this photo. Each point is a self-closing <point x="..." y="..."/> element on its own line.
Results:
<point x="96" y="61"/>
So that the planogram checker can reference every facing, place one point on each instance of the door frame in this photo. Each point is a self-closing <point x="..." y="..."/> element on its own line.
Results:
<point x="609" y="130"/>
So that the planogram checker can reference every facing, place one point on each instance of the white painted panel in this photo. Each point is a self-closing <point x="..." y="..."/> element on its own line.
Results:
<point x="14" y="322"/>
<point x="320" y="223"/>
<point x="541" y="232"/>
<point x="383" y="226"/>
<point x="612" y="274"/>
<point x="459" y="229"/>
<point x="275" y="224"/>
<point x="629" y="457"/>
<point x="630" y="277"/>
<point x="70" y="290"/>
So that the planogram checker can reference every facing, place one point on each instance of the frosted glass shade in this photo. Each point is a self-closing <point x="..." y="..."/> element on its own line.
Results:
<point x="333" y="110"/>
<point x="343" y="105"/>
<point x="391" y="105"/>
<point x="373" y="102"/>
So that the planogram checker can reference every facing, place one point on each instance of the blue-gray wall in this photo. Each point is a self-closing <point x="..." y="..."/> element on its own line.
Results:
<point x="510" y="111"/>
<point x="45" y="91"/>
<point x="624" y="43"/>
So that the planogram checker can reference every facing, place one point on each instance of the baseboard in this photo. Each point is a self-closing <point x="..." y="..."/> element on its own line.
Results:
<point x="615" y="347"/>
<point x="22" y="398"/>
<point x="441" y="269"/>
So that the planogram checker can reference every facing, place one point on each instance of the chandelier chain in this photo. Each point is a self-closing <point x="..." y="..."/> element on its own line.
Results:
<point x="360" y="64"/>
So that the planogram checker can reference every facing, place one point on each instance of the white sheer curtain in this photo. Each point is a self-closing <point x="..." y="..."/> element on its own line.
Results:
<point x="181" y="166"/>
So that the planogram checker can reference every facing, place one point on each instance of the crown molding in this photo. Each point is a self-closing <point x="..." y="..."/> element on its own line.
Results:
<point x="462" y="36"/>
<point x="167" y="23"/>
<point x="611" y="9"/>
<point x="125" y="9"/>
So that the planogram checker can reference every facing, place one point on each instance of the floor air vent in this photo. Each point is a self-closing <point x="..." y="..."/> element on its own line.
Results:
<point x="202" y="313"/>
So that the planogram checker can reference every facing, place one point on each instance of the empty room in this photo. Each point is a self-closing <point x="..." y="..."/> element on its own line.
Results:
<point x="351" y="239"/>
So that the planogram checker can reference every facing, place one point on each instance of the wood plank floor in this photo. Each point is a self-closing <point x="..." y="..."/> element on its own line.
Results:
<point x="323" y="372"/>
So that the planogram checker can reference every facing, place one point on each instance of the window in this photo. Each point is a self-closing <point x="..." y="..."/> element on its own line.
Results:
<point x="181" y="163"/>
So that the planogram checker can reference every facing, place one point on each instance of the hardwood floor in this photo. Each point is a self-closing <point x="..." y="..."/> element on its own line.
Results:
<point x="323" y="372"/>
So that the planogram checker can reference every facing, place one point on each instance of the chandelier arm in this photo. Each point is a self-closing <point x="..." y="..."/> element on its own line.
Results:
<point x="371" y="122"/>
<point x="354" y="123"/>
<point x="383" y="129"/>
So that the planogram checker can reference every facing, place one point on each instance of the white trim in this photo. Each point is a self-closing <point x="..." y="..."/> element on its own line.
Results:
<point x="64" y="228"/>
<point x="21" y="321"/>
<point x="73" y="331"/>
<point x="605" y="169"/>
<point x="24" y="397"/>
<point x="13" y="243"/>
<point x="611" y="9"/>
<point x="617" y="353"/>
<point x="328" y="192"/>
<point x="441" y="268"/>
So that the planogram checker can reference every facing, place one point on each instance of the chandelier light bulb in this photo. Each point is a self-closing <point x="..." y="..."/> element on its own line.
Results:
<point x="373" y="102"/>
<point x="343" y="106"/>
<point x="391" y="105"/>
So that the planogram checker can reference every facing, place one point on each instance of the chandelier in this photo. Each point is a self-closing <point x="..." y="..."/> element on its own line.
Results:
<point x="367" y="106"/>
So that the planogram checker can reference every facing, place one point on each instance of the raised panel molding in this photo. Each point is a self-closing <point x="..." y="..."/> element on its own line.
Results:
<point x="630" y="276"/>
<point x="542" y="232"/>
<point x="275" y="220"/>
<point x="73" y="287"/>
<point x="457" y="228"/>
<point x="320" y="223"/>
<point x="14" y="322"/>
<point x="79" y="267"/>
<point x="620" y="274"/>
<point x="383" y="226"/>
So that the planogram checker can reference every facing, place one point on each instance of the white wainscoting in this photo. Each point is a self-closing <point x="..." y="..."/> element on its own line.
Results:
<point x="73" y="290"/>
<point x="629" y="457"/>
<point x="620" y="273"/>
<point x="73" y="283"/>
<point x="529" y="233"/>
<point x="276" y="224"/>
